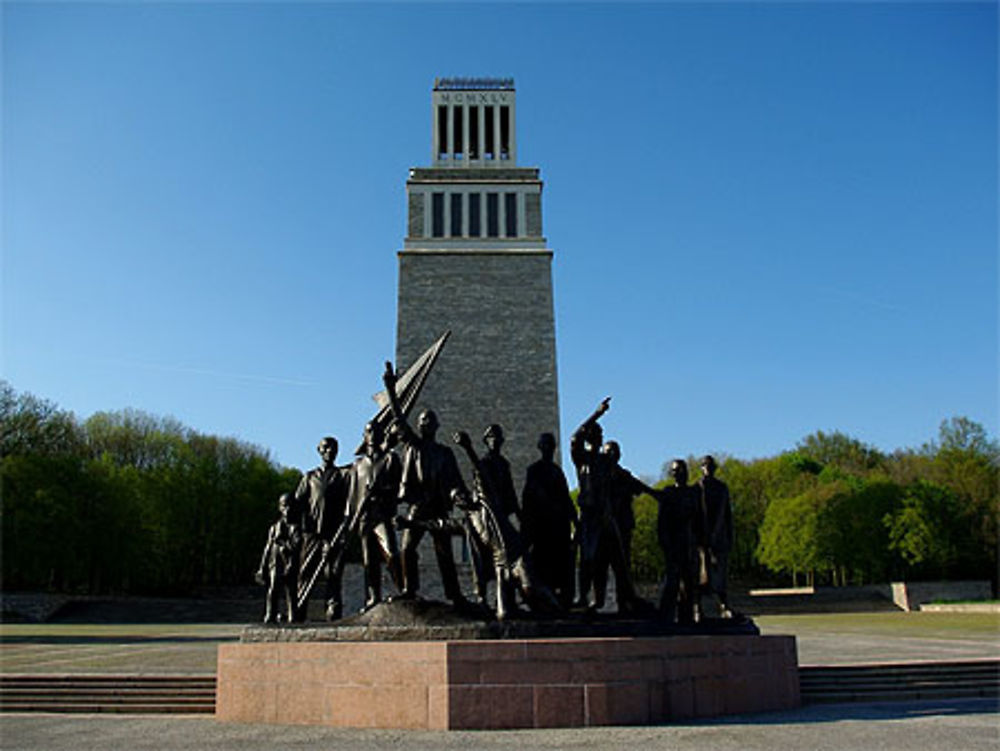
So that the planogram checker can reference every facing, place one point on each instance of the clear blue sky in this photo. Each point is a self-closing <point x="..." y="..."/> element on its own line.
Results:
<point x="768" y="219"/>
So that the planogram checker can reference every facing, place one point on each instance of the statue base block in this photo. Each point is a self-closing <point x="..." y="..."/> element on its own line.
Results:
<point x="506" y="683"/>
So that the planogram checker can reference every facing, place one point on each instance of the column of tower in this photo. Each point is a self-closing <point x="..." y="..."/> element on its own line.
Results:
<point x="474" y="261"/>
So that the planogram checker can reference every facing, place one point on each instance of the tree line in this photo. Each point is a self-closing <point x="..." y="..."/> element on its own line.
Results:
<point x="837" y="511"/>
<point x="132" y="503"/>
<point x="126" y="502"/>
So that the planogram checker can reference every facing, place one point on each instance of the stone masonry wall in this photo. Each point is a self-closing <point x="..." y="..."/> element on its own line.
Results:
<point x="533" y="214"/>
<point x="500" y="363"/>
<point x="415" y="215"/>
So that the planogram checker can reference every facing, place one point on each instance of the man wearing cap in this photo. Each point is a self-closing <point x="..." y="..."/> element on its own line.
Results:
<point x="496" y="471"/>
<point x="494" y="474"/>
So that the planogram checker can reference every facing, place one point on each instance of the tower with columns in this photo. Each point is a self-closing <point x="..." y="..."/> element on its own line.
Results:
<point x="474" y="261"/>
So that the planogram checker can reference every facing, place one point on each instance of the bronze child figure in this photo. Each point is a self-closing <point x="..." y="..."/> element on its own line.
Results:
<point x="279" y="565"/>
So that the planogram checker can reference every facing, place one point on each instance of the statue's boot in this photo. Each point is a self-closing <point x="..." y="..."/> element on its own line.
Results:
<point x="373" y="587"/>
<point x="410" y="575"/>
<point x="586" y="578"/>
<point x="505" y="596"/>
<point x="291" y="604"/>
<point x="334" y="610"/>
<point x="395" y="567"/>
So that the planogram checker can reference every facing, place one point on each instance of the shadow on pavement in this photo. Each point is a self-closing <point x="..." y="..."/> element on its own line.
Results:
<point x="902" y="710"/>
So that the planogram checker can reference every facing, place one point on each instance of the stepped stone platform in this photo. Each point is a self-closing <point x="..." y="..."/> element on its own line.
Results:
<point x="415" y="664"/>
<point x="838" y="684"/>
<point x="120" y="694"/>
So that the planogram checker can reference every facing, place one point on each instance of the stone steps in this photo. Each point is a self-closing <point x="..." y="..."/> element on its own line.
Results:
<point x="899" y="682"/>
<point x="190" y="694"/>
<point x="130" y="694"/>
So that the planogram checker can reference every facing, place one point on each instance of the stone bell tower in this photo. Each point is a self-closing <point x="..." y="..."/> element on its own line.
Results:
<point x="474" y="261"/>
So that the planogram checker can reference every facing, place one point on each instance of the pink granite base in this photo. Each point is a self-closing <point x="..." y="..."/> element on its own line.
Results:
<point x="505" y="684"/>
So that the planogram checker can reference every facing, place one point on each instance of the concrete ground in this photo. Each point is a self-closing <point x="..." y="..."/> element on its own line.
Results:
<point x="911" y="726"/>
<point x="822" y="639"/>
<point x="828" y="639"/>
<point x="864" y="638"/>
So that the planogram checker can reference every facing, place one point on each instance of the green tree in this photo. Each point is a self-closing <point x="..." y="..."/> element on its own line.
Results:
<point x="789" y="536"/>
<point x="29" y="425"/>
<point x="753" y="485"/>
<point x="647" y="556"/>
<point x="854" y="536"/>
<point x="967" y="462"/>
<point x="128" y="501"/>
<point x="962" y="434"/>
<point x="926" y="529"/>
<point x="41" y="475"/>
<point x="839" y="450"/>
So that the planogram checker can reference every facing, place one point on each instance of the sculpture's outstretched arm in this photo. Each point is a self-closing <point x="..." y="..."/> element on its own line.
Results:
<point x="405" y="432"/>
<point x="389" y="379"/>
<point x="598" y="413"/>
<point x="461" y="438"/>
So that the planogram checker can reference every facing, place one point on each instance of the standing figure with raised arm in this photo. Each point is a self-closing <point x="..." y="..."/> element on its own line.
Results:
<point x="597" y="522"/>
<point x="320" y="499"/>
<point x="373" y="494"/>
<point x="429" y="478"/>
<point x="717" y="541"/>
<point x="678" y="531"/>
<point x="548" y="518"/>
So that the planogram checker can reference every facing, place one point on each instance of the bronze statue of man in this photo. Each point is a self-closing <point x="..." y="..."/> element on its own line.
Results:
<point x="499" y="544"/>
<point x="548" y="518"/>
<point x="623" y="487"/>
<point x="320" y="499"/>
<point x="678" y="529"/>
<point x="494" y="469"/>
<point x="429" y="478"/>
<point x="372" y="497"/>
<point x="597" y="523"/>
<point x="279" y="564"/>
<point x="717" y="540"/>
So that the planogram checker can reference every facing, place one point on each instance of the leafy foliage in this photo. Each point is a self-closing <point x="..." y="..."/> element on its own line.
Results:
<point x="867" y="516"/>
<point x="647" y="556"/>
<point x="840" y="451"/>
<point x="925" y="529"/>
<point x="836" y="510"/>
<point x="128" y="502"/>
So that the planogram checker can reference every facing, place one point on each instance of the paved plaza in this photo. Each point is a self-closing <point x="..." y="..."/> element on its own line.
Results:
<point x="867" y="638"/>
<point x="857" y="638"/>
<point x="965" y="724"/>
<point x="191" y="648"/>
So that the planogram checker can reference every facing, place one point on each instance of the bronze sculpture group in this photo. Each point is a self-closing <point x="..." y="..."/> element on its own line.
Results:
<point x="529" y="549"/>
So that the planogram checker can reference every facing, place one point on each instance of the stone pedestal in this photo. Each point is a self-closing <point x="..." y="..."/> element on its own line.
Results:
<point x="509" y="683"/>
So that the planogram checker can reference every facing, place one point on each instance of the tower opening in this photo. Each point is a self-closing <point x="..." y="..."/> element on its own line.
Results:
<point x="474" y="262"/>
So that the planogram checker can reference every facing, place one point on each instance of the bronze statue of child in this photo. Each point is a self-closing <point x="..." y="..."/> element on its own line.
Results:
<point x="279" y="565"/>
